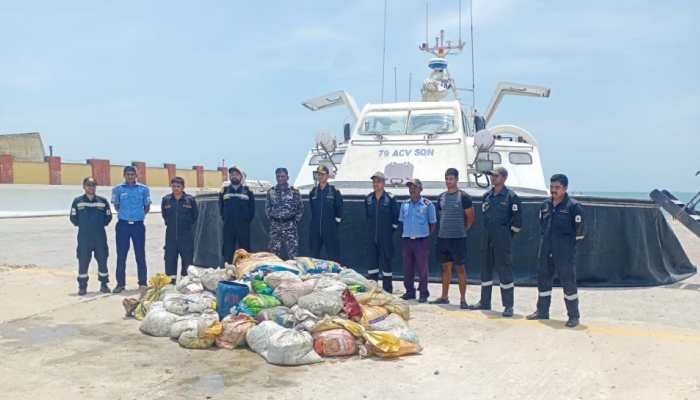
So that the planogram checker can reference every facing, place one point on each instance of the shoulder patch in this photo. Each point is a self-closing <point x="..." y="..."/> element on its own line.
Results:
<point x="578" y="219"/>
<point x="515" y="208"/>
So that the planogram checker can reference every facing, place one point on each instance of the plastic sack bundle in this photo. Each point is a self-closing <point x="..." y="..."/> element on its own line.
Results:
<point x="281" y="315"/>
<point x="289" y="292"/>
<point x="372" y="314"/>
<point x="191" y="321"/>
<point x="405" y="348"/>
<point x="351" y="277"/>
<point x="245" y="264"/>
<point x="334" y="343"/>
<point x="208" y="277"/>
<point x="274" y="279"/>
<point x="156" y="283"/>
<point x="189" y="284"/>
<point x="304" y="319"/>
<point x="260" y="287"/>
<point x="235" y="328"/>
<point x="158" y="321"/>
<point x="252" y="304"/>
<point x="330" y="283"/>
<point x="282" y="346"/>
<point x="384" y="341"/>
<point x="322" y="303"/>
<point x="190" y="303"/>
<point x="317" y="266"/>
<point x="201" y="337"/>
<point x="351" y="308"/>
<point x="395" y="324"/>
<point x="378" y="297"/>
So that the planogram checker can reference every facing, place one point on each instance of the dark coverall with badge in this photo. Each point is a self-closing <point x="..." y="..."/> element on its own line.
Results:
<point x="562" y="227"/>
<point x="382" y="221"/>
<point x="326" y="214"/>
<point x="237" y="207"/>
<point x="502" y="219"/>
<point x="179" y="216"/>
<point x="91" y="217"/>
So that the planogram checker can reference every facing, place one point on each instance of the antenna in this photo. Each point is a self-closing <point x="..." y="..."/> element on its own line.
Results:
<point x="471" y="36"/>
<point x="426" y="21"/>
<point x="384" y="50"/>
<point x="396" y="85"/>
<point x="460" y="21"/>
<point x="410" y="76"/>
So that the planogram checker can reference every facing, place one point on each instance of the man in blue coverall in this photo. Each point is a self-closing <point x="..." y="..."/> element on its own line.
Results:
<point x="91" y="213"/>
<point x="179" y="211"/>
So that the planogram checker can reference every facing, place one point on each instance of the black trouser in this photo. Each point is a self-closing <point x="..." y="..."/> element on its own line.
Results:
<point x="498" y="257"/>
<point x="327" y="241"/>
<point x="235" y="237"/>
<point x="172" y="251"/>
<point x="566" y="269"/>
<point x="84" y="254"/>
<point x="379" y="260"/>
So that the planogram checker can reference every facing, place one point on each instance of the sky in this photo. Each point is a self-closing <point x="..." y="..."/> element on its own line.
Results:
<point x="222" y="81"/>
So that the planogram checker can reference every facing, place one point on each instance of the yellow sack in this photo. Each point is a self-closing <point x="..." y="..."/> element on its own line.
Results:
<point x="213" y="331"/>
<point x="405" y="348"/>
<point x="385" y="341"/>
<point x="244" y="262"/>
<point x="190" y="340"/>
<point x="378" y="297"/>
<point x="371" y="314"/>
<point x="156" y="283"/>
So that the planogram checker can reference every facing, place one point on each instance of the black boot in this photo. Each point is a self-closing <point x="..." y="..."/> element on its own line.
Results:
<point x="82" y="291"/>
<point x="508" y="312"/>
<point x="480" y="306"/>
<point x="538" y="315"/>
<point x="572" y="322"/>
<point x="104" y="288"/>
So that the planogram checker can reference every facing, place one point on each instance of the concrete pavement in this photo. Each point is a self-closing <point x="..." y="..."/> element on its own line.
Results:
<point x="633" y="343"/>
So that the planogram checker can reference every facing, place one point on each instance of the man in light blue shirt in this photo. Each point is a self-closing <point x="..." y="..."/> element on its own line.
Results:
<point x="419" y="218"/>
<point x="132" y="200"/>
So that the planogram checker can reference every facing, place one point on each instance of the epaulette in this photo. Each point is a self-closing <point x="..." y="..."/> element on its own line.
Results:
<point x="391" y="195"/>
<point x="294" y="189"/>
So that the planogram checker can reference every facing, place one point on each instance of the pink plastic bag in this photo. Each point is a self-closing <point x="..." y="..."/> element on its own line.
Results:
<point x="235" y="328"/>
<point x="334" y="342"/>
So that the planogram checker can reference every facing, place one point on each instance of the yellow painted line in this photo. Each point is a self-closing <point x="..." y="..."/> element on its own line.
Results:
<point x="606" y="330"/>
<point x="47" y="271"/>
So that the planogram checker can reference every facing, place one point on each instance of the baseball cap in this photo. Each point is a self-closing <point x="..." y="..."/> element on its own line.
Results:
<point x="498" y="171"/>
<point x="379" y="175"/>
<point x="234" y="168"/>
<point x="414" y="181"/>
<point x="322" y="169"/>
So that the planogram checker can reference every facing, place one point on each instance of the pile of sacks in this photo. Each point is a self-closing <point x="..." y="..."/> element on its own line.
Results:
<point x="295" y="312"/>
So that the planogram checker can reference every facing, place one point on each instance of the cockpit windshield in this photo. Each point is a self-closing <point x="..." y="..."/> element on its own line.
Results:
<point x="414" y="122"/>
<point x="431" y="122"/>
<point x="384" y="123"/>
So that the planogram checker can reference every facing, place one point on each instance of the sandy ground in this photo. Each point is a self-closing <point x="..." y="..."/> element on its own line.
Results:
<point x="633" y="344"/>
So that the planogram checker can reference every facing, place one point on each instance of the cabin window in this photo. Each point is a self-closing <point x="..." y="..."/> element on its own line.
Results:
<point x="384" y="123"/>
<point x="430" y="122"/>
<point x="493" y="156"/>
<point x="517" y="158"/>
